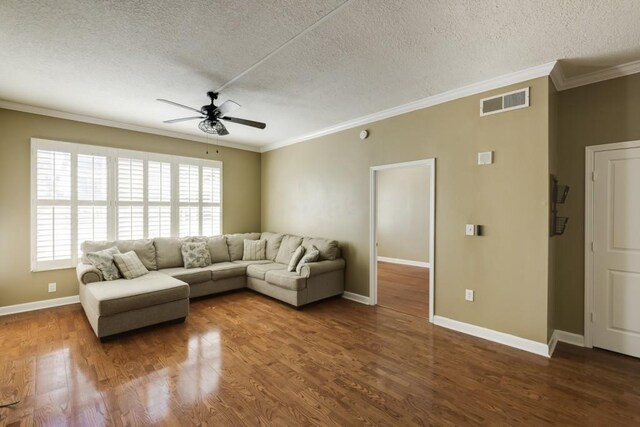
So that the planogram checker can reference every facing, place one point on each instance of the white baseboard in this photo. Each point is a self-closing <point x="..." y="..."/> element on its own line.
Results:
<point x="357" y="298"/>
<point x="570" y="338"/>
<point x="404" y="261"/>
<point x="552" y="343"/>
<point x="38" y="305"/>
<point x="535" y="347"/>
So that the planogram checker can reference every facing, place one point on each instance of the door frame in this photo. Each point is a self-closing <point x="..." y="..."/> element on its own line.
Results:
<point x="373" y="229"/>
<point x="590" y="157"/>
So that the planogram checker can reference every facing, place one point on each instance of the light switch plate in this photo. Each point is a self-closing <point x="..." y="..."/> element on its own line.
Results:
<point x="468" y="294"/>
<point x="470" y="230"/>
<point x="485" y="158"/>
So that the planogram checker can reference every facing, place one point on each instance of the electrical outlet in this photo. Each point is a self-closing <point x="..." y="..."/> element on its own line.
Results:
<point x="470" y="230"/>
<point x="468" y="294"/>
<point x="52" y="287"/>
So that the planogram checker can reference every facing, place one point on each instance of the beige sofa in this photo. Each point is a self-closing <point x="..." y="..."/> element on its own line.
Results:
<point x="163" y="294"/>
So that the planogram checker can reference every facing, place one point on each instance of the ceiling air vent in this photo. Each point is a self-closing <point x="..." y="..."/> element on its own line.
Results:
<point x="505" y="102"/>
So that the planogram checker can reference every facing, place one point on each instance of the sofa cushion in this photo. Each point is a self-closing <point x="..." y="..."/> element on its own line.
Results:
<point x="168" y="253"/>
<point x="130" y="265"/>
<point x="328" y="248"/>
<point x="143" y="248"/>
<point x="248" y="263"/>
<point x="254" y="250"/>
<point x="288" y="246"/>
<point x="286" y="280"/>
<point x="195" y="254"/>
<point x="259" y="270"/>
<point x="274" y="240"/>
<point x="189" y="275"/>
<point x="218" y="249"/>
<point x="235" y="242"/>
<point x="118" y="296"/>
<point x="226" y="270"/>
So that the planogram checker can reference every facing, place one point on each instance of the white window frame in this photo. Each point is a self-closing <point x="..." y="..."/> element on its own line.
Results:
<point x="112" y="155"/>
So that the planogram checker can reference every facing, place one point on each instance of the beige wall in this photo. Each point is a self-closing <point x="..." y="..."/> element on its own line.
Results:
<point x="17" y="284"/>
<point x="403" y="213"/>
<point x="321" y="188"/>
<point x="600" y="113"/>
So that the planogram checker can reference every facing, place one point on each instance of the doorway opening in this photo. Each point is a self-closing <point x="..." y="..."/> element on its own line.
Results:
<point x="402" y="237"/>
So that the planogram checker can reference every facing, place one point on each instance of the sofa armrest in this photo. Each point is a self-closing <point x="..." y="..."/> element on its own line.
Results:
<point x="320" y="267"/>
<point x="87" y="273"/>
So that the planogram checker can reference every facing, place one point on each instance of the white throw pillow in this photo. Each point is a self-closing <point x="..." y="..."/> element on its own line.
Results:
<point x="130" y="265"/>
<point x="295" y="258"/>
<point x="254" y="250"/>
<point x="195" y="254"/>
<point x="103" y="261"/>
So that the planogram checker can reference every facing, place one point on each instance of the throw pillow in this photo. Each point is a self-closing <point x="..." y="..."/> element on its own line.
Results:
<point x="254" y="250"/>
<point x="295" y="258"/>
<point x="195" y="254"/>
<point x="103" y="261"/>
<point x="312" y="254"/>
<point x="130" y="265"/>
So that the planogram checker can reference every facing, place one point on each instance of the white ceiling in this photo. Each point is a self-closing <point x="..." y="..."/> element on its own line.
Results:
<point x="319" y="63"/>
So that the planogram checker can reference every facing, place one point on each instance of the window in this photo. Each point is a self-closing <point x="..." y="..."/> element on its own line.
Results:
<point x="82" y="192"/>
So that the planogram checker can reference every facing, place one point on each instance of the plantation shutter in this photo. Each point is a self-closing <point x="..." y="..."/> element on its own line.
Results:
<point x="211" y="212"/>
<point x="189" y="200"/>
<point x="159" y="199"/>
<point x="92" y="216"/>
<point x="53" y="240"/>
<point x="130" y="201"/>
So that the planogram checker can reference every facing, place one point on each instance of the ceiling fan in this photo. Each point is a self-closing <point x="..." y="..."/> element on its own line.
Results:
<point x="212" y="115"/>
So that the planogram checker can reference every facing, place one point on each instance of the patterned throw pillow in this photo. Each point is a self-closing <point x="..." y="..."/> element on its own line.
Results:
<point x="130" y="265"/>
<point x="195" y="254"/>
<point x="295" y="258"/>
<point x="254" y="250"/>
<point x="103" y="261"/>
<point x="311" y="255"/>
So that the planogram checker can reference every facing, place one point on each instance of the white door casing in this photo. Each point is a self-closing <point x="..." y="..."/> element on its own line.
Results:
<point x="616" y="250"/>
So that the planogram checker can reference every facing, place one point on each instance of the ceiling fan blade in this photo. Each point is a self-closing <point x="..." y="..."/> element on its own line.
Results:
<point x="184" y="119"/>
<point x="222" y="131"/>
<point x="178" y="105"/>
<point x="226" y="107"/>
<point x="245" y="122"/>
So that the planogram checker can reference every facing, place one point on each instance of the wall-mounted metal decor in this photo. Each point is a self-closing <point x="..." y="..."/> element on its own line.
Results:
<point x="558" y="193"/>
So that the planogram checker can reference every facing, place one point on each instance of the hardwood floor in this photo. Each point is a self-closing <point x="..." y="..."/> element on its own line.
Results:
<point x="244" y="359"/>
<point x="404" y="288"/>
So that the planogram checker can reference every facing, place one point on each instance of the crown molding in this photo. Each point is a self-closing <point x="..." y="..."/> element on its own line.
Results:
<point x="563" y="83"/>
<point x="118" y="125"/>
<point x="473" y="89"/>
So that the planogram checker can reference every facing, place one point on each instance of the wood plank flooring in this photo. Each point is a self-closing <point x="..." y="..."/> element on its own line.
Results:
<point x="243" y="359"/>
<point x="404" y="288"/>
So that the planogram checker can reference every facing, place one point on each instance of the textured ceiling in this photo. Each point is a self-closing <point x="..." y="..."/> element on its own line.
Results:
<point x="111" y="59"/>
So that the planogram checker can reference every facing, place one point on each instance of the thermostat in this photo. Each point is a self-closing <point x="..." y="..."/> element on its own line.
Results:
<point x="364" y="134"/>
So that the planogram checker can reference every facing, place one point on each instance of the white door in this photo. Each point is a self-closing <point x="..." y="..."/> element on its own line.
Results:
<point x="616" y="251"/>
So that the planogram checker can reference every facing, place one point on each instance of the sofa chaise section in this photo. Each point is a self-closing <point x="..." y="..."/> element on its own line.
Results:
<point x="119" y="305"/>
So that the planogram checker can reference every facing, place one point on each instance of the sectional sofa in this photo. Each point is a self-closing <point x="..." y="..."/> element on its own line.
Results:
<point x="163" y="294"/>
